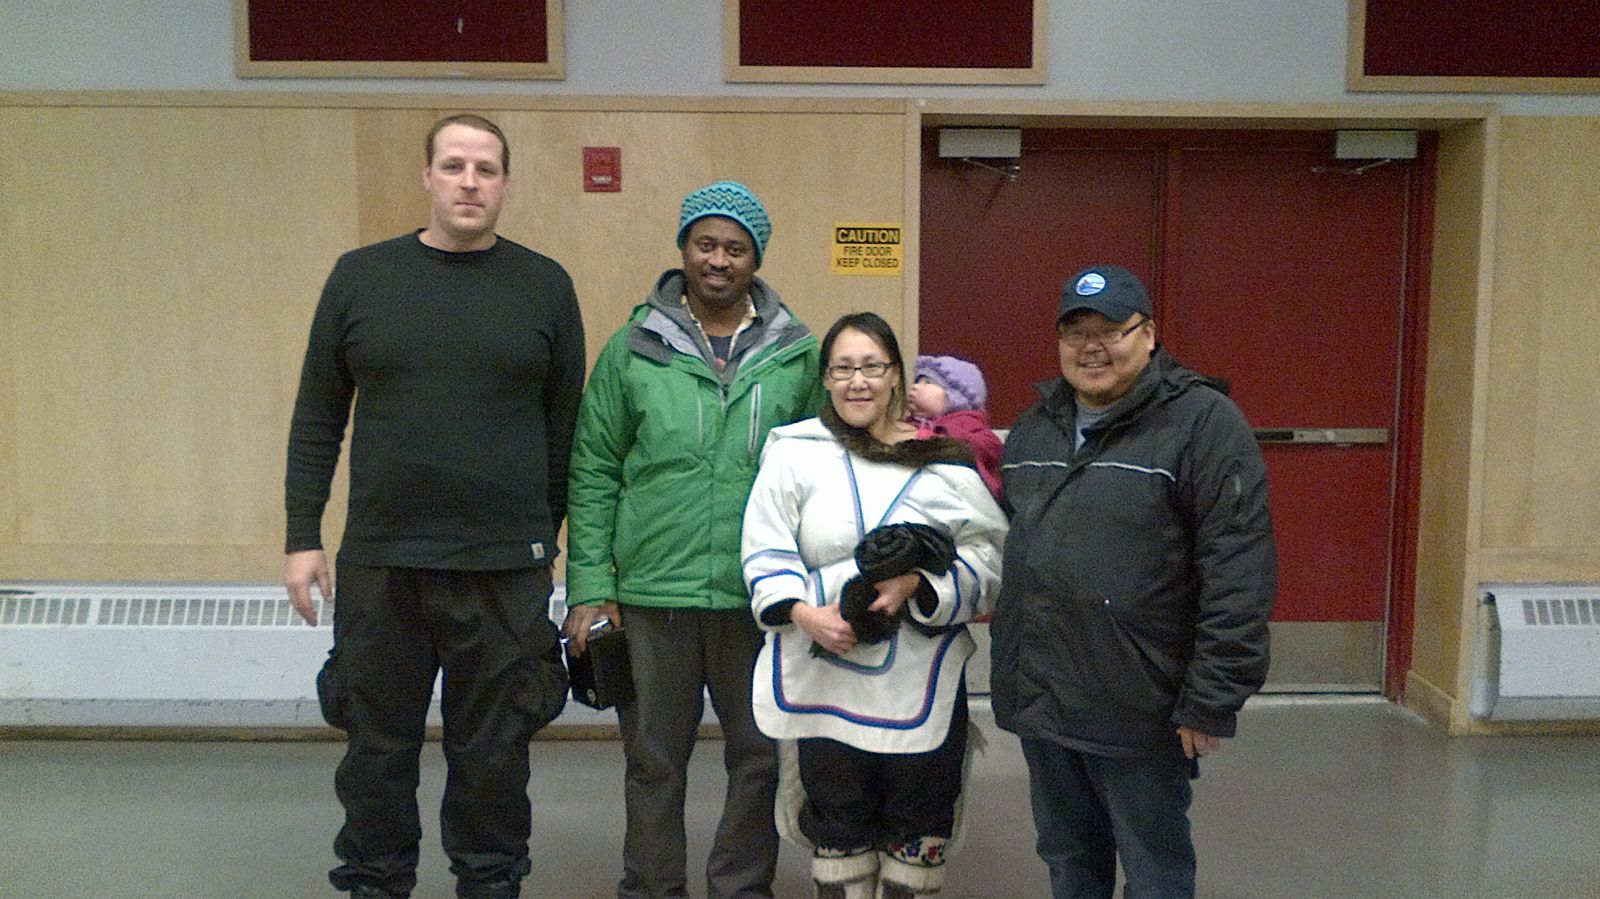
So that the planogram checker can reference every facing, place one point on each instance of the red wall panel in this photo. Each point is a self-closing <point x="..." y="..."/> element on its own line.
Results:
<point x="393" y="31"/>
<point x="887" y="33"/>
<point x="1485" y="38"/>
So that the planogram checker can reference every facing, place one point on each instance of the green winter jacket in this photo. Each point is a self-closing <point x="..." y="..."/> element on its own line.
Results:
<point x="666" y="449"/>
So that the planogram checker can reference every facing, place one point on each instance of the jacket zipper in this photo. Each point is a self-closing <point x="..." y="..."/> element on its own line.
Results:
<point x="755" y="418"/>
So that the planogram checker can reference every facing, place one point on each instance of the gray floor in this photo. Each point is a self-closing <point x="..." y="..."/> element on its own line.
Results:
<point x="1314" y="799"/>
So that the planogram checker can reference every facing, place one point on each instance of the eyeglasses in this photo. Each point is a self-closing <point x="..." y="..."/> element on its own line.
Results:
<point x="1110" y="337"/>
<point x="872" y="371"/>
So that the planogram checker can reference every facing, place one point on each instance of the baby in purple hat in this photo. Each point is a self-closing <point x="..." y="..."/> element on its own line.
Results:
<point x="948" y="398"/>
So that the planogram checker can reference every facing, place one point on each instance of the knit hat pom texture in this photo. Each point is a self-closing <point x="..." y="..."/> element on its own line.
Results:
<point x="732" y="200"/>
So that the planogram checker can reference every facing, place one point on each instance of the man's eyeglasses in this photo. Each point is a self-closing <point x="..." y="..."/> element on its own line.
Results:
<point x="1110" y="337"/>
<point x="872" y="371"/>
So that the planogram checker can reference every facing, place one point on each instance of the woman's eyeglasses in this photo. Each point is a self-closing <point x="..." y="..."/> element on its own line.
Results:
<point x="871" y="371"/>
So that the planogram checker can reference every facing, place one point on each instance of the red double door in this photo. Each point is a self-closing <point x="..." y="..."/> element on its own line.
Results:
<point x="1272" y="265"/>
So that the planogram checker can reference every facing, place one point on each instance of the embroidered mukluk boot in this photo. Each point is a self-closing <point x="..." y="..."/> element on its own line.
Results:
<point x="844" y="873"/>
<point x="911" y="869"/>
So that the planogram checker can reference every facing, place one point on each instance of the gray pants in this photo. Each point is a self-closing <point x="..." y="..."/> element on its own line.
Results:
<point x="676" y="655"/>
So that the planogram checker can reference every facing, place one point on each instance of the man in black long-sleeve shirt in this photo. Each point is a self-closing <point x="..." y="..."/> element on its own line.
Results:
<point x="464" y="354"/>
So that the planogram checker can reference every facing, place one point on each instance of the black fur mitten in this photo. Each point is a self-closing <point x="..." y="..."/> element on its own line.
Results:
<point x="893" y="549"/>
<point x="889" y="551"/>
<point x="870" y="627"/>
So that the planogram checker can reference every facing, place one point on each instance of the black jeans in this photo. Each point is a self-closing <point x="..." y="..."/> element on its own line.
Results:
<point x="856" y="798"/>
<point x="394" y="629"/>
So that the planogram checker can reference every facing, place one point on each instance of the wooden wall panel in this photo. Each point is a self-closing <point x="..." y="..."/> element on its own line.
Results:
<point x="161" y="268"/>
<point x="387" y="170"/>
<point x="163" y="264"/>
<point x="834" y="169"/>
<point x="10" y="300"/>
<point x="809" y="169"/>
<point x="1540" y="479"/>
<point x="1444" y="504"/>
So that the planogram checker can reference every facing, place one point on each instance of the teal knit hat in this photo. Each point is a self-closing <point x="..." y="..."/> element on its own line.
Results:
<point x="730" y="199"/>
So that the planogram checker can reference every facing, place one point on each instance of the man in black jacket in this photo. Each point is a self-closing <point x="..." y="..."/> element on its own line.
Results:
<point x="1140" y="574"/>
<point x="467" y="352"/>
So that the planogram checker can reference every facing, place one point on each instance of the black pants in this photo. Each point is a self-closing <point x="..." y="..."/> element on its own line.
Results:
<point x="394" y="629"/>
<point x="856" y="798"/>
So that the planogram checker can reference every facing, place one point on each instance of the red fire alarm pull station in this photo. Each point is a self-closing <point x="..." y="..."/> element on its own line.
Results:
<point x="602" y="169"/>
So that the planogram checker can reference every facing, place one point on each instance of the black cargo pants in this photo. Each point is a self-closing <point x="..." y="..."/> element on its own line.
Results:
<point x="394" y="629"/>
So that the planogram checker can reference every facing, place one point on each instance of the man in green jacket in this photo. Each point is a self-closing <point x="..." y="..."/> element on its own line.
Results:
<point x="668" y="436"/>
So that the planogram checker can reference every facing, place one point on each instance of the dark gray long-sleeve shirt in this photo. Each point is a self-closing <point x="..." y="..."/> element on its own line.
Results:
<point x="465" y="370"/>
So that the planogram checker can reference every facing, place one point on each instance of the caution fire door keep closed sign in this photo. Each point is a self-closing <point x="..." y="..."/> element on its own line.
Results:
<point x="867" y="249"/>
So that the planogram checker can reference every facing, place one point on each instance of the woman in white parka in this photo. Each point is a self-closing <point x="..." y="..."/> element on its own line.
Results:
<point x="866" y="551"/>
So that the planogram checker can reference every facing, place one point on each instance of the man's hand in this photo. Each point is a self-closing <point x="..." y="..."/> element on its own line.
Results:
<point x="825" y="626"/>
<point x="1196" y="744"/>
<point x="581" y="618"/>
<point x="300" y="571"/>
<point x="893" y="593"/>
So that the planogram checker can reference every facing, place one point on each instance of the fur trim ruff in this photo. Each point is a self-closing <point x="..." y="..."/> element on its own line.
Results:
<point x="909" y="453"/>
<point x="845" y="868"/>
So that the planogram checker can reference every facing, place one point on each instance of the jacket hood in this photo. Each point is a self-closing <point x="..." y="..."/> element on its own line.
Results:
<point x="960" y="419"/>
<point x="661" y="325"/>
<point x="667" y="295"/>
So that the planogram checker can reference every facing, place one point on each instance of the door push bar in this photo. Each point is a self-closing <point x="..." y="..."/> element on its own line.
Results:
<point x="1333" y="436"/>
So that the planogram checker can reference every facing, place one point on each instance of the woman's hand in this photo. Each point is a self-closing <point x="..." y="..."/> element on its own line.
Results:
<point x="825" y="626"/>
<point x="893" y="593"/>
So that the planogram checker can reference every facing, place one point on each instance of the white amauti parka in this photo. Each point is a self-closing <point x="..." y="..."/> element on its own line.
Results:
<point x="812" y="503"/>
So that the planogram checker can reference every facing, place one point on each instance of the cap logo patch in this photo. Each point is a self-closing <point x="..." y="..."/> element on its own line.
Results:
<point x="1090" y="284"/>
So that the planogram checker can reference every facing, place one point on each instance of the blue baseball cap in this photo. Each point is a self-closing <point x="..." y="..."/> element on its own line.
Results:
<point x="1110" y="290"/>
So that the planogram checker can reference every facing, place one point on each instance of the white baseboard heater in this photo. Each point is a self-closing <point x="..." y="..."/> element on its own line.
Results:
<point x="1537" y="653"/>
<point x="169" y="655"/>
